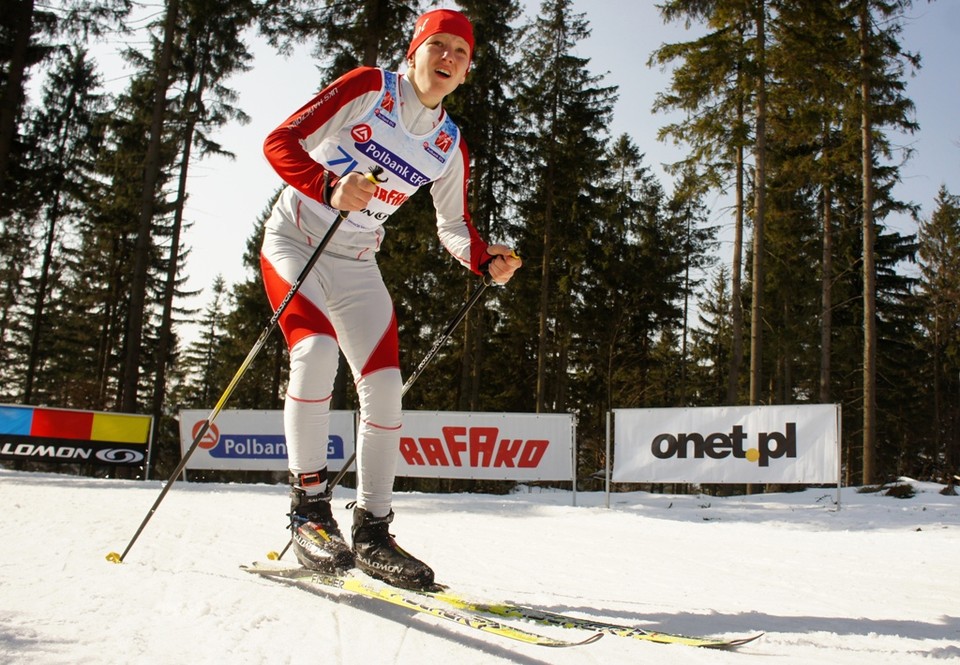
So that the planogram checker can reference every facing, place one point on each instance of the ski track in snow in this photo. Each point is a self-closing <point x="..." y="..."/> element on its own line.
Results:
<point x="876" y="582"/>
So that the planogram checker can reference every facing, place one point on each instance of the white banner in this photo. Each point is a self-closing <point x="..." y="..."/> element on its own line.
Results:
<point x="797" y="443"/>
<point x="254" y="440"/>
<point x="489" y="446"/>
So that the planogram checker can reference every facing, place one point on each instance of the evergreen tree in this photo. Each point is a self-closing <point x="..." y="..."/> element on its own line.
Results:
<point x="567" y="110"/>
<point x="715" y="84"/>
<point x="32" y="35"/>
<point x="686" y="214"/>
<point x="65" y="134"/>
<point x="629" y="298"/>
<point x="204" y="360"/>
<point x="370" y="33"/>
<point x="97" y="290"/>
<point x="812" y="121"/>
<point x="231" y="324"/>
<point x="711" y="343"/>
<point x="484" y="110"/>
<point x="25" y="32"/>
<point x="209" y="50"/>
<point x="24" y="42"/>
<point x="939" y="295"/>
<point x="345" y="34"/>
<point x="900" y="407"/>
<point x="157" y="77"/>
<point x="882" y="104"/>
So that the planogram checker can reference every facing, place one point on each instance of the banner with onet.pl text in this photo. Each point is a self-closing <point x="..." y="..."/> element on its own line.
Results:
<point x="797" y="443"/>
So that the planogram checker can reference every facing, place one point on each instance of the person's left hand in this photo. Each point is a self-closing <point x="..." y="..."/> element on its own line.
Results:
<point x="505" y="262"/>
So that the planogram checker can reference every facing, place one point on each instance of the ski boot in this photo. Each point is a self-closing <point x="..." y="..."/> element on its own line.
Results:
<point x="317" y="540"/>
<point x="378" y="554"/>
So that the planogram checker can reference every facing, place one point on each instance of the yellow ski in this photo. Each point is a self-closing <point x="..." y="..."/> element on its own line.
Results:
<point x="325" y="584"/>
<point x="514" y="611"/>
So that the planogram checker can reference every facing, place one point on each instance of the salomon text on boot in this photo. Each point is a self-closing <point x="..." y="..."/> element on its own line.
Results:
<point x="378" y="554"/>
<point x="317" y="540"/>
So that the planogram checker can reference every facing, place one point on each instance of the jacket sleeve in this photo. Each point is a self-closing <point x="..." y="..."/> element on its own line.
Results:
<point x="288" y="147"/>
<point x="454" y="228"/>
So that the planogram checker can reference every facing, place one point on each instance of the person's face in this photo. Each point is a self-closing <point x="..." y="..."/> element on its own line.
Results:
<point x="439" y="66"/>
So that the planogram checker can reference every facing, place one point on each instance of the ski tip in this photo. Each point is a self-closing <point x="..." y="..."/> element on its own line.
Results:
<point x="735" y="643"/>
<point x="745" y="640"/>
<point x="113" y="557"/>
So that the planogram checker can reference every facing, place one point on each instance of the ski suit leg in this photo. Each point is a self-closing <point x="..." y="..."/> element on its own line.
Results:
<point x="362" y="312"/>
<point x="312" y="343"/>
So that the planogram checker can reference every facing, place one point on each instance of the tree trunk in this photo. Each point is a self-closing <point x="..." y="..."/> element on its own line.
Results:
<point x="191" y="112"/>
<point x="141" y="258"/>
<point x="544" y="294"/>
<point x="40" y="298"/>
<point x="869" y="261"/>
<point x="736" y="290"/>
<point x="756" y="322"/>
<point x="826" y="295"/>
<point x="373" y="33"/>
<point x="13" y="89"/>
<point x="682" y="396"/>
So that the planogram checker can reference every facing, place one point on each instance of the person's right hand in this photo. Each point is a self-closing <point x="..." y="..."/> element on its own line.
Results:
<point x="352" y="192"/>
<point x="505" y="262"/>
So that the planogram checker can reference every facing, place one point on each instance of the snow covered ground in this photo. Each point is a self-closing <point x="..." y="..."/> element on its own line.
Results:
<point x="876" y="582"/>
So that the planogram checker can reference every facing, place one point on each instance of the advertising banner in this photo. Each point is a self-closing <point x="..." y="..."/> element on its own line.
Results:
<point x="71" y="436"/>
<point x="798" y="443"/>
<point x="500" y="446"/>
<point x="248" y="440"/>
<point x="490" y="446"/>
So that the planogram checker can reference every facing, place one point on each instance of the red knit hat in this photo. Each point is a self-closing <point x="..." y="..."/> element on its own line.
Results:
<point x="441" y="20"/>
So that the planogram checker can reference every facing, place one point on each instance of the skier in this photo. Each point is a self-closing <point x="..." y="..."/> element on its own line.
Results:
<point x="370" y="121"/>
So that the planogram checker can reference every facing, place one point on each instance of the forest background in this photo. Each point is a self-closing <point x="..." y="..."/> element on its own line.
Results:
<point x="790" y="124"/>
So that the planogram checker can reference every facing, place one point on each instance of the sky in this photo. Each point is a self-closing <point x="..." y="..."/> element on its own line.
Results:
<point x="873" y="582"/>
<point x="226" y="196"/>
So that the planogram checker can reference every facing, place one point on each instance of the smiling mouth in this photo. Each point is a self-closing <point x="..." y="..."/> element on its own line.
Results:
<point x="443" y="73"/>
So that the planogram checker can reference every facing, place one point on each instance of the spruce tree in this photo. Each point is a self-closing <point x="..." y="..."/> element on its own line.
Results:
<point x="939" y="296"/>
<point x="66" y="142"/>
<point x="711" y="343"/>
<point x="715" y="84"/>
<point x="484" y="110"/>
<point x="882" y="105"/>
<point x="567" y="110"/>
<point x="210" y="50"/>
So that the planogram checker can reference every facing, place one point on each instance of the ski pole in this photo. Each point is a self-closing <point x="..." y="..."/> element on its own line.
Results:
<point x="451" y="326"/>
<point x="372" y="176"/>
<point x="454" y="322"/>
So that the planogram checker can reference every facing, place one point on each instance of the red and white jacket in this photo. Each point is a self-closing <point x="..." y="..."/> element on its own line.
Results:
<point x="372" y="117"/>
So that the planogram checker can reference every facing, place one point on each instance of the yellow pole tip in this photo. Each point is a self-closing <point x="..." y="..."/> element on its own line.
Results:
<point x="273" y="556"/>
<point x="113" y="557"/>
